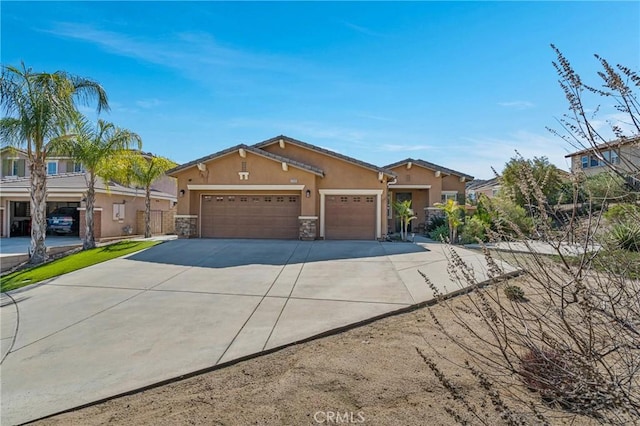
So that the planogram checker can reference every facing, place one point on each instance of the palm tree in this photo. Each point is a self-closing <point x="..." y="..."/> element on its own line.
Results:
<point x="453" y="211"/>
<point x="94" y="147"/>
<point x="38" y="107"/>
<point x="142" y="170"/>
<point x="405" y="213"/>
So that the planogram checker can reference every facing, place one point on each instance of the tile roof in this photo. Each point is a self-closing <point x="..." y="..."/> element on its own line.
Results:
<point x="253" y="150"/>
<point x="430" y="166"/>
<point x="325" y="151"/>
<point x="479" y="183"/>
<point x="76" y="182"/>
<point x="611" y="144"/>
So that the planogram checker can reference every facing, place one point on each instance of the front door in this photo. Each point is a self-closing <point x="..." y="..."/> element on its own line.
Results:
<point x="400" y="197"/>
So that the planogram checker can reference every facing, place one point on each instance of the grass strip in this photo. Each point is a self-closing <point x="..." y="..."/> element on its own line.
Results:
<point x="71" y="263"/>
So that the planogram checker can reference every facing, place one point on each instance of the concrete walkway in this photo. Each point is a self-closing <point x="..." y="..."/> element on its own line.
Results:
<point x="186" y="305"/>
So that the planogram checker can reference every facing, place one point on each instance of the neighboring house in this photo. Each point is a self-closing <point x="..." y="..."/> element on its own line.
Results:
<point x="624" y="154"/>
<point x="425" y="184"/>
<point x="489" y="188"/>
<point x="118" y="208"/>
<point x="286" y="188"/>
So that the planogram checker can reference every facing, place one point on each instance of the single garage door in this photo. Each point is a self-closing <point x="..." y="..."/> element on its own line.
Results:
<point x="350" y="217"/>
<point x="250" y="216"/>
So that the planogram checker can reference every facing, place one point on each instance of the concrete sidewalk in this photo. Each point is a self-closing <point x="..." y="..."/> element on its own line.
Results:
<point x="187" y="305"/>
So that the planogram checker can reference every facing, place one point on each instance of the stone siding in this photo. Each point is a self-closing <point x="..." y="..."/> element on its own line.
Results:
<point x="186" y="227"/>
<point x="308" y="227"/>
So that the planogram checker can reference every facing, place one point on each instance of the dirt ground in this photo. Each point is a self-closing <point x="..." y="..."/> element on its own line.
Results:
<point x="369" y="375"/>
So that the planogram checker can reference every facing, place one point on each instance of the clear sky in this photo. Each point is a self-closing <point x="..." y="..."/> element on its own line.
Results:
<point x="460" y="84"/>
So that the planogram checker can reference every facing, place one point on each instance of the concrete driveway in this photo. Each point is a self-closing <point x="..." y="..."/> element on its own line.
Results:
<point x="20" y="245"/>
<point x="186" y="305"/>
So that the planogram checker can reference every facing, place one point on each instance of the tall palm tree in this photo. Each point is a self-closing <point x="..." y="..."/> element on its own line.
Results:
<point x="94" y="147"/>
<point x="38" y="107"/>
<point x="141" y="170"/>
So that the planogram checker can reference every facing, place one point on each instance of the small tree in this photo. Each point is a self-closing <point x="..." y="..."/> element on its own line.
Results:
<point x="574" y="344"/>
<point x="453" y="212"/>
<point x="515" y="178"/>
<point x="405" y="214"/>
<point x="95" y="147"/>
<point x="142" y="170"/>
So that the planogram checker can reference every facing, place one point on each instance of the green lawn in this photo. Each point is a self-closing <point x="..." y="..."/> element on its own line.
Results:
<point x="71" y="263"/>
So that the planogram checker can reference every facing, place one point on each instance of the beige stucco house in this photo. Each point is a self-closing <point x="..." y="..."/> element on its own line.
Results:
<point x="118" y="208"/>
<point x="624" y="154"/>
<point x="286" y="188"/>
<point x="425" y="184"/>
<point x="281" y="188"/>
<point x="488" y="188"/>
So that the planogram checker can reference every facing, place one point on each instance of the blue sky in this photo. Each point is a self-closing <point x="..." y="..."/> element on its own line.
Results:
<point x="455" y="83"/>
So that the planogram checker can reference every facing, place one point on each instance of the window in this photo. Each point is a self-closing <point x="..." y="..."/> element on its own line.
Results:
<point x="452" y="195"/>
<point x="77" y="167"/>
<point x="118" y="212"/>
<point x="13" y="167"/>
<point x="267" y="199"/>
<point x="356" y="199"/>
<point x="231" y="198"/>
<point x="594" y="161"/>
<point x="369" y="199"/>
<point x="615" y="158"/>
<point x="293" y="199"/>
<point x="343" y="199"/>
<point x="243" y="199"/>
<point x="219" y="199"/>
<point x="585" y="161"/>
<point x="52" y="167"/>
<point x="279" y="199"/>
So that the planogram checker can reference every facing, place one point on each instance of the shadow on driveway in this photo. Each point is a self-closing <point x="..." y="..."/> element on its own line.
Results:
<point x="218" y="253"/>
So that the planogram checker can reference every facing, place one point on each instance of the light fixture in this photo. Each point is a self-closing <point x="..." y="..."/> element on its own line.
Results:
<point x="308" y="193"/>
<point x="182" y="192"/>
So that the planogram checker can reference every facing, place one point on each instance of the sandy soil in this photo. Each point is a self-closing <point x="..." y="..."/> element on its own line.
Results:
<point x="373" y="373"/>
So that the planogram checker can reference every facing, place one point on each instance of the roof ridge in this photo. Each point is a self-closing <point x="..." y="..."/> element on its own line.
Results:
<point x="431" y="166"/>
<point x="326" y="151"/>
<point x="250" y="148"/>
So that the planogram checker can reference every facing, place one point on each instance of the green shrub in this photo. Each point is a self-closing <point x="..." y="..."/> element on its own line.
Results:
<point x="441" y="233"/>
<point x="505" y="212"/>
<point x="623" y="213"/>
<point x="435" y="222"/>
<point x="514" y="292"/>
<point x="474" y="228"/>
<point x="626" y="236"/>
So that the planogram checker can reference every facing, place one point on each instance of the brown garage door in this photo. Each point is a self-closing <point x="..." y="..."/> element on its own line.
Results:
<point x="250" y="216"/>
<point x="350" y="217"/>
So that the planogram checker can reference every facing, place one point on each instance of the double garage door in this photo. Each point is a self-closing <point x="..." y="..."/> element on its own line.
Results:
<point x="250" y="216"/>
<point x="347" y="217"/>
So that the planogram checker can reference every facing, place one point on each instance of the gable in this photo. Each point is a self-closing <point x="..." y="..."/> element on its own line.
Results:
<point x="233" y="168"/>
<point x="303" y="151"/>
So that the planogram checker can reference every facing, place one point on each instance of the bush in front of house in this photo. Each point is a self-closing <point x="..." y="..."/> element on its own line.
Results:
<point x="474" y="229"/>
<point x="441" y="233"/>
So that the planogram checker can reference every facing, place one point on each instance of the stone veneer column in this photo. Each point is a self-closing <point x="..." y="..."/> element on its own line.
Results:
<point x="186" y="226"/>
<point x="308" y="227"/>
